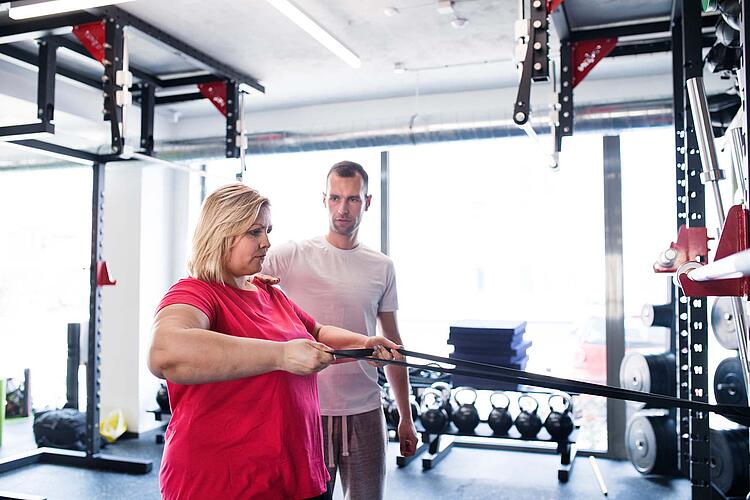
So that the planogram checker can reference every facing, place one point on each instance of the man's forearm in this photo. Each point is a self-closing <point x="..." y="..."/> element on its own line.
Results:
<point x="398" y="379"/>
<point x="339" y="338"/>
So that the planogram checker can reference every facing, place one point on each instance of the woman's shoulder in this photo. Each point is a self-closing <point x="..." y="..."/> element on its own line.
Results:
<point x="195" y="286"/>
<point x="191" y="283"/>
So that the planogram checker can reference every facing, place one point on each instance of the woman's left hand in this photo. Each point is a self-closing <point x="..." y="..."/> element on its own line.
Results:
<point x="383" y="349"/>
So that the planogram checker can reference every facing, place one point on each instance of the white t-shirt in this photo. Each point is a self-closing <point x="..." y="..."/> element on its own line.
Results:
<point x="344" y="288"/>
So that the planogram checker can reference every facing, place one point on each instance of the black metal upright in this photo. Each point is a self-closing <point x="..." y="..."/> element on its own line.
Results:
<point x="679" y="343"/>
<point x="233" y="115"/>
<point x="46" y="80"/>
<point x="694" y="334"/>
<point x="114" y="65"/>
<point x="148" y="105"/>
<point x="93" y="370"/>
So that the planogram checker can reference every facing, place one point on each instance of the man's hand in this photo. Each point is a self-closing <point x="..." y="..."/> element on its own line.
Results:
<point x="383" y="349"/>
<point x="407" y="436"/>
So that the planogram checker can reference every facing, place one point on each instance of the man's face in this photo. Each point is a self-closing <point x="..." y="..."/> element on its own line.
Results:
<point x="346" y="202"/>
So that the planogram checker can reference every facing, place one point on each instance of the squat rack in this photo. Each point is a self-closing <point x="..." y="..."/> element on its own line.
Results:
<point x="100" y="35"/>
<point x="683" y="29"/>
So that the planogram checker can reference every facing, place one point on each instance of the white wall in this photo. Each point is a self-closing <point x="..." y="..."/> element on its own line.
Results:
<point x="120" y="303"/>
<point x="144" y="226"/>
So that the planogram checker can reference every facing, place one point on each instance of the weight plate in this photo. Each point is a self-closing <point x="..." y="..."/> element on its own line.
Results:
<point x="722" y="322"/>
<point x="658" y="315"/>
<point x="729" y="461"/>
<point x="635" y="374"/>
<point x="651" y="444"/>
<point x="640" y="441"/>
<point x="729" y="387"/>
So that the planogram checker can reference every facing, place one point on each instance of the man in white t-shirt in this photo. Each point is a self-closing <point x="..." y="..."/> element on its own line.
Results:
<point x="341" y="282"/>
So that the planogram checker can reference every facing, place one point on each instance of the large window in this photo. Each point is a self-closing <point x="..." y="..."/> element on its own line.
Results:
<point x="44" y="273"/>
<point x="294" y="183"/>
<point x="484" y="230"/>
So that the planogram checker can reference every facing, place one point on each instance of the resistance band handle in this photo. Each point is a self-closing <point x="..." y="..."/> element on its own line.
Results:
<point x="352" y="353"/>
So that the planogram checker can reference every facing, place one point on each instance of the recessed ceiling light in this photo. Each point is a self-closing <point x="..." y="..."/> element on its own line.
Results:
<point x="316" y="31"/>
<point x="391" y="11"/>
<point x="459" y="22"/>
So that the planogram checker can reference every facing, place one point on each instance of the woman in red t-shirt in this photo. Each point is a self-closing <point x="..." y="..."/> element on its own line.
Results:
<point x="240" y="361"/>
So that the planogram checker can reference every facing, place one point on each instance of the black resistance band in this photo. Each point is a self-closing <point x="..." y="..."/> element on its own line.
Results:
<point x="503" y="374"/>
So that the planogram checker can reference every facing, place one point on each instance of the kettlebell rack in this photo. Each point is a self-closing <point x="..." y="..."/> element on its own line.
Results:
<point x="437" y="445"/>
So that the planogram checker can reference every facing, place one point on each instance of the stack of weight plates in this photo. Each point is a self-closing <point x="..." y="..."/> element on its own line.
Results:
<point x="499" y="343"/>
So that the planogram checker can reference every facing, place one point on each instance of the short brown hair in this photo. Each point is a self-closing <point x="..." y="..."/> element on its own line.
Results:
<point x="348" y="169"/>
<point x="227" y="213"/>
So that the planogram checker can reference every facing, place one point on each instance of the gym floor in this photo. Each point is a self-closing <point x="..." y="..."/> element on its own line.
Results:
<point x="466" y="473"/>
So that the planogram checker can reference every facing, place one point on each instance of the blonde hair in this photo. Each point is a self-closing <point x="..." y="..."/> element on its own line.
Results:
<point x="227" y="213"/>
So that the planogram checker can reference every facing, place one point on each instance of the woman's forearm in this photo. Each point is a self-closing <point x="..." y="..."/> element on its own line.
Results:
<point x="197" y="356"/>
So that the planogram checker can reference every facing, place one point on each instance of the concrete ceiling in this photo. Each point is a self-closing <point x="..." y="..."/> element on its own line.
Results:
<point x="253" y="37"/>
<point x="297" y="71"/>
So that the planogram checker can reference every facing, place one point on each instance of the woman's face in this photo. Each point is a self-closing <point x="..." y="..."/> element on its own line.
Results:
<point x="248" y="250"/>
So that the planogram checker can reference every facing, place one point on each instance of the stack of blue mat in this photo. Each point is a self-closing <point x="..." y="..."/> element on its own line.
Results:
<point x="495" y="342"/>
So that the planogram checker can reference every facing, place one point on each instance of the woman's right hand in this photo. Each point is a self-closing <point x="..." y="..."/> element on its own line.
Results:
<point x="304" y="356"/>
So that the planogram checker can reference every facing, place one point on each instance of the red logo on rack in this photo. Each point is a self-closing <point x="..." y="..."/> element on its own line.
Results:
<point x="587" y="54"/>
<point x="91" y="36"/>
<point x="216" y="92"/>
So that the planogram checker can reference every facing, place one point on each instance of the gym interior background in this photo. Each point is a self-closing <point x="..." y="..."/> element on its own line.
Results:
<point x="565" y="241"/>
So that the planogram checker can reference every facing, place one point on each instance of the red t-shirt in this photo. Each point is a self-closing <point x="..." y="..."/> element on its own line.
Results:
<point x="256" y="437"/>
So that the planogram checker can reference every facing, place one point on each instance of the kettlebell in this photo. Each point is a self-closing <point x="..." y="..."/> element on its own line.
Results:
<point x="499" y="419"/>
<point x="528" y="422"/>
<point x="433" y="417"/>
<point x="445" y="391"/>
<point x="465" y="416"/>
<point x="394" y="415"/>
<point x="559" y="422"/>
<point x="391" y="409"/>
<point x="385" y="404"/>
<point x="414" y="407"/>
<point x="162" y="398"/>
<point x="427" y="374"/>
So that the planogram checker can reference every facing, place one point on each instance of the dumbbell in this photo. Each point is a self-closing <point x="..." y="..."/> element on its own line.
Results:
<point x="528" y="422"/>
<point x="499" y="419"/>
<point x="559" y="422"/>
<point x="433" y="416"/>
<point x="465" y="416"/>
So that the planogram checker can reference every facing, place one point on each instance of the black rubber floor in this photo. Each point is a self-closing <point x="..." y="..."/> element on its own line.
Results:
<point x="466" y="473"/>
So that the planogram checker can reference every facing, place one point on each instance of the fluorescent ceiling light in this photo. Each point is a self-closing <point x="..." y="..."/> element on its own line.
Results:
<point x="314" y="30"/>
<point x="25" y="9"/>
